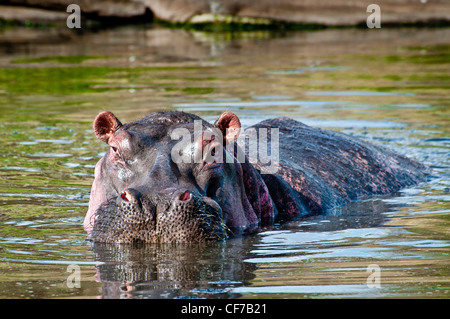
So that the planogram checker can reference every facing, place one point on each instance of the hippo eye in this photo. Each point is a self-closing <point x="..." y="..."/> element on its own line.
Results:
<point x="114" y="149"/>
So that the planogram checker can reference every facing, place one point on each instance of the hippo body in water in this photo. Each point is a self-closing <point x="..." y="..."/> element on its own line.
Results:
<point x="142" y="191"/>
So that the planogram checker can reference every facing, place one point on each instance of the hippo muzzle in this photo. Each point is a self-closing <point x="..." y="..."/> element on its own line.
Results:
<point x="179" y="216"/>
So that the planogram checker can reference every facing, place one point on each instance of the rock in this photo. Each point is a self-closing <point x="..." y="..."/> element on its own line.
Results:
<point x="31" y="14"/>
<point x="97" y="8"/>
<point x="178" y="10"/>
<point x="335" y="13"/>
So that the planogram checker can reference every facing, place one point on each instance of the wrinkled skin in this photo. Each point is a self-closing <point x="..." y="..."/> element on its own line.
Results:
<point x="140" y="193"/>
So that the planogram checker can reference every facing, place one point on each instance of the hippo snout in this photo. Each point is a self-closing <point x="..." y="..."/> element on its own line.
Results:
<point x="171" y="216"/>
<point x="135" y="206"/>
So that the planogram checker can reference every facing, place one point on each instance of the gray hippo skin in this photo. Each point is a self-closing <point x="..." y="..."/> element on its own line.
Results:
<point x="141" y="194"/>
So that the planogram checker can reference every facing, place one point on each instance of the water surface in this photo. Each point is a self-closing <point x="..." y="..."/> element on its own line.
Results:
<point x="387" y="86"/>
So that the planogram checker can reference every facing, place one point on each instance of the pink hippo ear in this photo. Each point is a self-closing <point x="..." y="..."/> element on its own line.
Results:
<point x="105" y="124"/>
<point x="230" y="126"/>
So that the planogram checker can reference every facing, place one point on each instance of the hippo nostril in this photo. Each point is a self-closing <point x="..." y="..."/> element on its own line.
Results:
<point x="185" y="196"/>
<point x="125" y="196"/>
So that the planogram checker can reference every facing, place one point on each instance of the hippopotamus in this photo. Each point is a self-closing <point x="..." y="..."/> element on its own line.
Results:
<point x="148" y="187"/>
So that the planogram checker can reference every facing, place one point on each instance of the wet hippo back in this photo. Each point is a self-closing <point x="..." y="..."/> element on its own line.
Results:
<point x="321" y="169"/>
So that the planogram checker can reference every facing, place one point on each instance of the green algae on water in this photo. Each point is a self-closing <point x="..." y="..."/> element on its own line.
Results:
<point x="69" y="80"/>
<point x="54" y="81"/>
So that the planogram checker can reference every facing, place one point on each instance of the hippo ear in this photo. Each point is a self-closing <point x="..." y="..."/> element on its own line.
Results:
<point x="105" y="124"/>
<point x="230" y="126"/>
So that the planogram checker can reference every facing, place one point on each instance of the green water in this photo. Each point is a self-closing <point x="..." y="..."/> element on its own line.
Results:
<point x="388" y="86"/>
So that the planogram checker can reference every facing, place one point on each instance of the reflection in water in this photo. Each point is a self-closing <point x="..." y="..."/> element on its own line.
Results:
<point x="172" y="270"/>
<point x="223" y="269"/>
<point x="366" y="213"/>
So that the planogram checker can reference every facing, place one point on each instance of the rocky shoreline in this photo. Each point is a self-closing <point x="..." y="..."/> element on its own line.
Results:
<point x="252" y="12"/>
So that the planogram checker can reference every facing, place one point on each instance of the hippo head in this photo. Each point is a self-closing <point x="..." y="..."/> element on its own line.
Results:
<point x="149" y="187"/>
